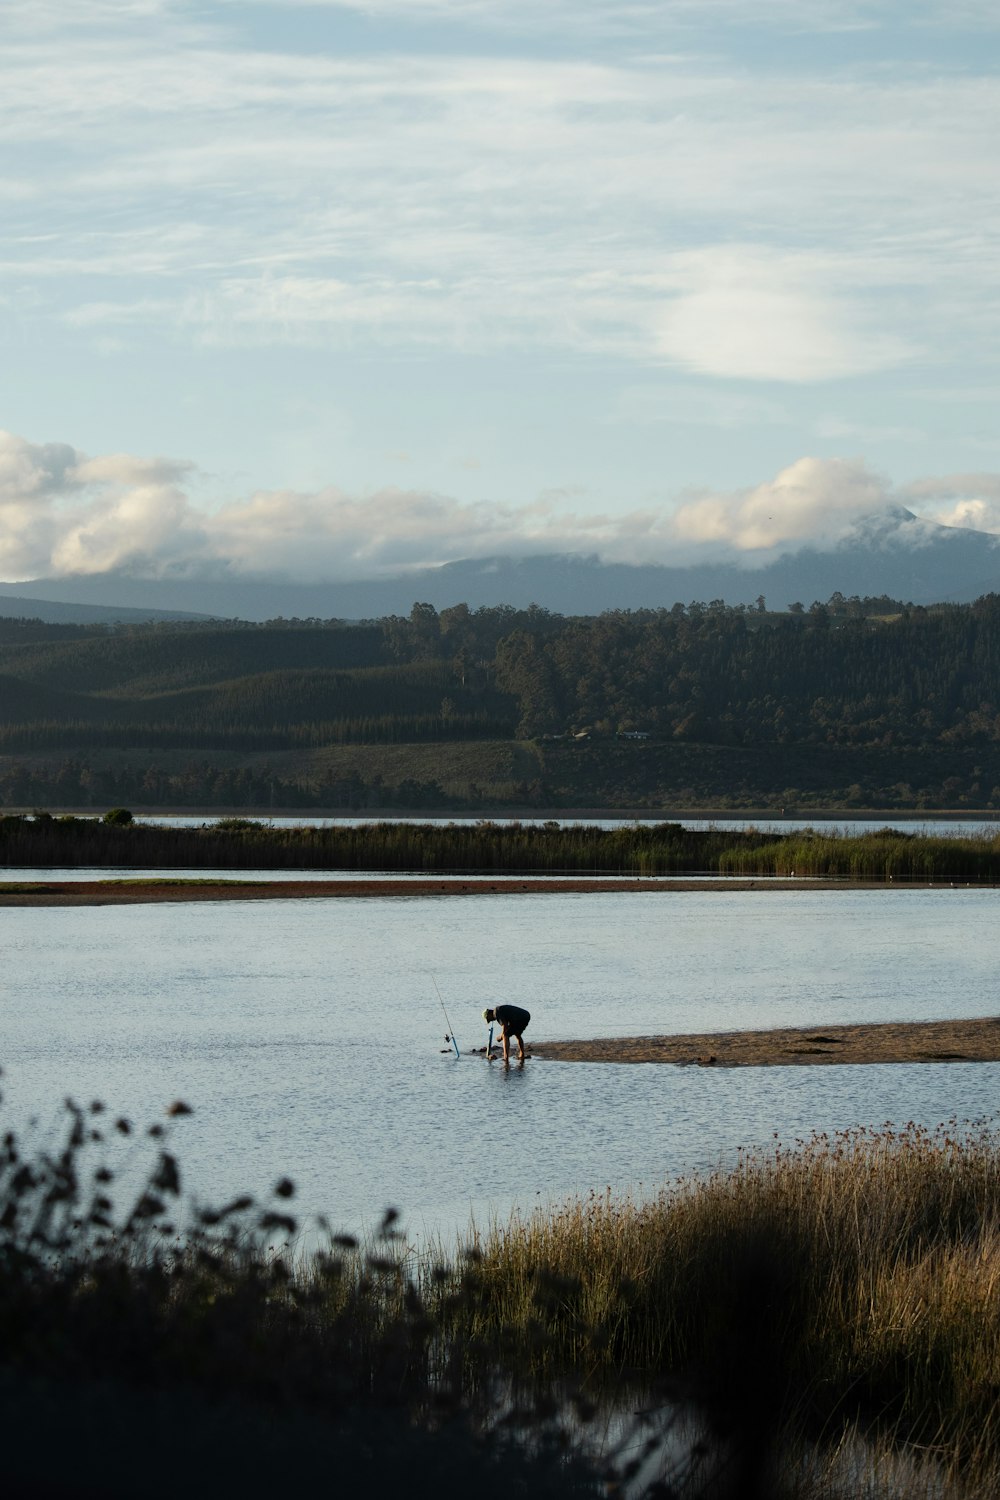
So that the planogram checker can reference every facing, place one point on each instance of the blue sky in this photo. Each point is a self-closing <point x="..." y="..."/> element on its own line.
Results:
<point x="334" y="288"/>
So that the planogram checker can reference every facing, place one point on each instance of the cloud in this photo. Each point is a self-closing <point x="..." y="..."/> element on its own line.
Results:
<point x="202" y="186"/>
<point x="32" y="476"/>
<point x="63" y="512"/>
<point x="31" y="472"/>
<point x="143" y="527"/>
<point x="815" y="502"/>
<point x="968" y="501"/>
<point x="763" y="317"/>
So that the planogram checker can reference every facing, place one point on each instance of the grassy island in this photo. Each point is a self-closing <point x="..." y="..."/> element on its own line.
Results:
<point x="883" y="856"/>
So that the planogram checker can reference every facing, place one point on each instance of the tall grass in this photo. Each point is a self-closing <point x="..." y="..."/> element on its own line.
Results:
<point x="486" y="847"/>
<point x="845" y="1285"/>
<point x="885" y="854"/>
<point x="847" y="1280"/>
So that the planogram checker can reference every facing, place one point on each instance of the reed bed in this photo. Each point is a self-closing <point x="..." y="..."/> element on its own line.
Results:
<point x="887" y="855"/>
<point x="884" y="855"/>
<point x="824" y="1316"/>
<point x="844" y="1282"/>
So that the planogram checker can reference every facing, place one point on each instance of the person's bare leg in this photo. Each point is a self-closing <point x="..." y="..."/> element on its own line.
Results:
<point x="506" y="1045"/>
<point x="520" y="1047"/>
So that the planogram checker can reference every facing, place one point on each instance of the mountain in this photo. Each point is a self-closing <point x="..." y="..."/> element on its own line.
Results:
<point x="55" y="612"/>
<point x="893" y="553"/>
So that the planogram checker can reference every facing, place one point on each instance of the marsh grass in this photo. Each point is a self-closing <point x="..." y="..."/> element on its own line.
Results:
<point x="822" y="1321"/>
<point x="884" y="855"/>
<point x="844" y="1282"/>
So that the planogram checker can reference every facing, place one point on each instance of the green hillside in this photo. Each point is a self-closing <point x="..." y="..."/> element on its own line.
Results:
<point x="850" y="704"/>
<point x="140" y="661"/>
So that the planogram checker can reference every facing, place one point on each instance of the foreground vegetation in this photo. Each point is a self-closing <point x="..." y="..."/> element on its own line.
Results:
<point x="844" y="1288"/>
<point x="886" y="854"/>
<point x="851" y="1280"/>
<point x="852" y="703"/>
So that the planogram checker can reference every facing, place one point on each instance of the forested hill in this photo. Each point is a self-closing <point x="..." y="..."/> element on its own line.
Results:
<point x="727" y="677"/>
<point x="853" y="674"/>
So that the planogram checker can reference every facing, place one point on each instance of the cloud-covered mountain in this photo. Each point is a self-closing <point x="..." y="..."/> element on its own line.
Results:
<point x="892" y="553"/>
<point x="120" y="531"/>
<point x="64" y="513"/>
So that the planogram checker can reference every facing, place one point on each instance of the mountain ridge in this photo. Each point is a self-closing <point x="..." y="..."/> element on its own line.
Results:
<point x="892" y="553"/>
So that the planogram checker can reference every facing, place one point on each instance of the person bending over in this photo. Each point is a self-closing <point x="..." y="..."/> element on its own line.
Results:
<point x="512" y="1020"/>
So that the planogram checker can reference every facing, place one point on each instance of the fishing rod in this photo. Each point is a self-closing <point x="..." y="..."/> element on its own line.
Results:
<point x="449" y="1035"/>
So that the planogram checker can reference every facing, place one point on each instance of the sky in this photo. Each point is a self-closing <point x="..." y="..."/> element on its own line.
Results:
<point x="335" y="288"/>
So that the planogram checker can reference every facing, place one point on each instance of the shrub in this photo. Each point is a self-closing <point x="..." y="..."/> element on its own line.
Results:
<point x="118" y="817"/>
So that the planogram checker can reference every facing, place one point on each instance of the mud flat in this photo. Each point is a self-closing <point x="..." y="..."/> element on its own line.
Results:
<point x="885" y="1042"/>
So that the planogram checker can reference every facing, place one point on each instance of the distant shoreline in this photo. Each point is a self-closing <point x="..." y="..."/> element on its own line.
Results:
<point x="112" y="891"/>
<point x="883" y="1042"/>
<point x="764" y="815"/>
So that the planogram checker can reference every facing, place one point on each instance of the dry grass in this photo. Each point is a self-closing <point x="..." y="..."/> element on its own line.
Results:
<point x="852" y="1280"/>
<point x="827" y="1315"/>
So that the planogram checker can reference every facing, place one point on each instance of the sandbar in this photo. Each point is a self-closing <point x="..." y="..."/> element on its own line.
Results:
<point x="117" y="891"/>
<point x="881" y="1042"/>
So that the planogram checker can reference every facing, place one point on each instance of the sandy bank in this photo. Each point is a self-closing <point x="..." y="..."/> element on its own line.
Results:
<point x="885" y="1042"/>
<point x="114" y="891"/>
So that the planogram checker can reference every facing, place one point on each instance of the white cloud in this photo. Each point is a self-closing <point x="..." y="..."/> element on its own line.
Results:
<point x="33" y="472"/>
<point x="814" y="501"/>
<point x="31" y="477"/>
<point x="123" y="470"/>
<point x="64" y="512"/>
<point x="142" y="526"/>
<point x="791" y="226"/>
<point x="757" y="317"/>
<point x="969" y="501"/>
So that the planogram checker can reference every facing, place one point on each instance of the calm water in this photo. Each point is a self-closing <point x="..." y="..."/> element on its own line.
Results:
<point x="944" y="828"/>
<point x="308" y="1036"/>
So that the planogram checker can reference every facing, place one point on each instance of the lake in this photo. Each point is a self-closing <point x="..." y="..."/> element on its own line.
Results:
<point x="309" y="1035"/>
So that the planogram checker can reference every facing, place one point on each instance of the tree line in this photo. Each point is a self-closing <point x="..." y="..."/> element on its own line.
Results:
<point x="77" y="783"/>
<point x="848" y="672"/>
<point x="852" y="683"/>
